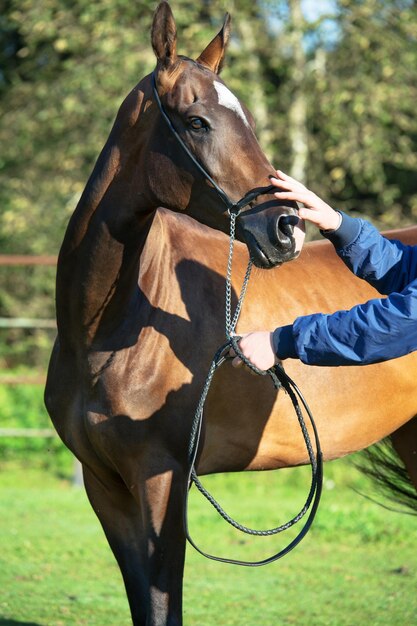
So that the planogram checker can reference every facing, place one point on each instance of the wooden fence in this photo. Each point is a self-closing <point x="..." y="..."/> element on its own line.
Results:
<point x="13" y="260"/>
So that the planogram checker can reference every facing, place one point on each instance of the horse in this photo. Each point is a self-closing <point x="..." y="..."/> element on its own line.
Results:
<point x="139" y="305"/>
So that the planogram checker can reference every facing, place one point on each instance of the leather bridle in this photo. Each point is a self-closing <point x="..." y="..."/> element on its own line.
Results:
<point x="232" y="207"/>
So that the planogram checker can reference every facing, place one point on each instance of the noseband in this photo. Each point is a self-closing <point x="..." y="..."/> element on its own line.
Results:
<point x="280" y="379"/>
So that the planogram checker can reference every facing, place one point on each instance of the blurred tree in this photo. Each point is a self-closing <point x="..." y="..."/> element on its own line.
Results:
<point x="65" y="67"/>
<point x="297" y="114"/>
<point x="333" y="95"/>
<point x="363" y="127"/>
<point x="68" y="67"/>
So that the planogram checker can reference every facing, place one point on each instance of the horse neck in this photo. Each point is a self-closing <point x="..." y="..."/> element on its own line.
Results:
<point x="99" y="261"/>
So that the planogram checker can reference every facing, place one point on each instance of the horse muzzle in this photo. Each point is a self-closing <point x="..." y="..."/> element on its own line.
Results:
<point x="269" y="236"/>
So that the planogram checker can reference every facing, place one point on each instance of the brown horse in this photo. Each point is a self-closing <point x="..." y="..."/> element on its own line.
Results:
<point x="140" y="313"/>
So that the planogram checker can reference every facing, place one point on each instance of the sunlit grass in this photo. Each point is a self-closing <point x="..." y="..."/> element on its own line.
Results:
<point x="358" y="565"/>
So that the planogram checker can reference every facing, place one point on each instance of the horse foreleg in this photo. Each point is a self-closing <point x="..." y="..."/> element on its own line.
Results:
<point x="165" y="491"/>
<point x="122" y="523"/>
<point x="143" y="525"/>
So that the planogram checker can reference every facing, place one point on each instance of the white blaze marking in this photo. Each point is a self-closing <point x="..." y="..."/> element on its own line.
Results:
<point x="229" y="100"/>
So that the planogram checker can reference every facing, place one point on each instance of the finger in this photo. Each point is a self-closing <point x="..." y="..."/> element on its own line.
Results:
<point x="282" y="184"/>
<point x="286" y="177"/>
<point x="289" y="195"/>
<point x="298" y="196"/>
<point x="290" y="186"/>
<point x="237" y="362"/>
<point x="282" y="175"/>
<point x="311" y="215"/>
<point x="287" y="183"/>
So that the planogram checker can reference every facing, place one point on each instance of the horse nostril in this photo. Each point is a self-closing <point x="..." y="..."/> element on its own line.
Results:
<point x="286" y="224"/>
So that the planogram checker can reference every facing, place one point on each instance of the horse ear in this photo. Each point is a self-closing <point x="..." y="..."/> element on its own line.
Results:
<point x="212" y="57"/>
<point x="164" y="35"/>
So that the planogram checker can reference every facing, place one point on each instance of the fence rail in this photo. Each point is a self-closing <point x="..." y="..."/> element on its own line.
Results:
<point x="16" y="260"/>
<point x="22" y="379"/>
<point x="27" y="259"/>
<point x="26" y="322"/>
<point x="28" y="432"/>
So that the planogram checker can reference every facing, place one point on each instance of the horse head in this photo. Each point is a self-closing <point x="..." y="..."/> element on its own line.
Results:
<point x="222" y="159"/>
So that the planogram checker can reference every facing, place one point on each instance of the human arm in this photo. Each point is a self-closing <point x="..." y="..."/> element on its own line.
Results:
<point x="314" y="209"/>
<point x="387" y="265"/>
<point x="375" y="331"/>
<point x="378" y="330"/>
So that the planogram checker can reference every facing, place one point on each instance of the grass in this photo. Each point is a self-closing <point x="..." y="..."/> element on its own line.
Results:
<point x="358" y="565"/>
<point x="22" y="406"/>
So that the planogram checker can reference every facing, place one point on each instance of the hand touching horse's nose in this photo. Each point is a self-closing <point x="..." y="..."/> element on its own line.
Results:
<point x="258" y="348"/>
<point x="315" y="210"/>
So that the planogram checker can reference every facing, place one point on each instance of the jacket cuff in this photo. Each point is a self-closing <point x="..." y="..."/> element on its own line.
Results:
<point x="284" y="343"/>
<point x="346" y="234"/>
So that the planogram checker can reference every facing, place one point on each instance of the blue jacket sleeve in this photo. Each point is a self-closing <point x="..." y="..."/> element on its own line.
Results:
<point x="377" y="330"/>
<point x="388" y="265"/>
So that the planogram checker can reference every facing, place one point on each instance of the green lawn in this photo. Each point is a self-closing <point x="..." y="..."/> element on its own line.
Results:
<point x="357" y="566"/>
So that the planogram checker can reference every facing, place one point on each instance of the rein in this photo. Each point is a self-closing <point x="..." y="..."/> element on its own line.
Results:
<point x="279" y="377"/>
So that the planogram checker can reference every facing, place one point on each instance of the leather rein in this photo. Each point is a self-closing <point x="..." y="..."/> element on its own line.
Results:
<point x="279" y="377"/>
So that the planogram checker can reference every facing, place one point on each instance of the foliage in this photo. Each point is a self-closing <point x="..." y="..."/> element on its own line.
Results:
<point x="65" y="67"/>
<point x="364" y="144"/>
<point x="22" y="406"/>
<point x="356" y="566"/>
<point x="26" y="292"/>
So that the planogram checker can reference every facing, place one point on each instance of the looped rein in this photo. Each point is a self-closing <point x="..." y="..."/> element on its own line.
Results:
<point x="277" y="374"/>
<point x="280" y="379"/>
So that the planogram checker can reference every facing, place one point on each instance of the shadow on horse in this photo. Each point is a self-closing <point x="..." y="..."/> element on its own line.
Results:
<point x="140" y="292"/>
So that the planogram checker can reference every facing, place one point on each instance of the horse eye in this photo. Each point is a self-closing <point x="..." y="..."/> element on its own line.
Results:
<point x="197" y="123"/>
